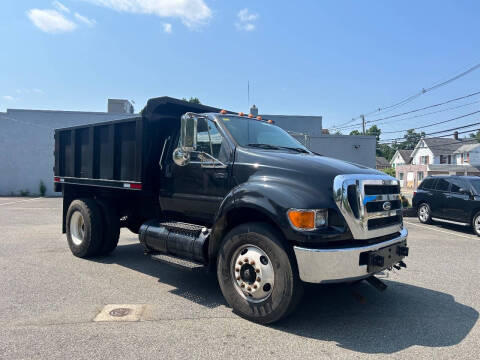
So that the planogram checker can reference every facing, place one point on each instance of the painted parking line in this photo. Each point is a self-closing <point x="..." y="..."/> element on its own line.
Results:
<point x="16" y="202"/>
<point x="442" y="231"/>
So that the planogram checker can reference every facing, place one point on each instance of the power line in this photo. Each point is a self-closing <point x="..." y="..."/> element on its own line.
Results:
<point x="416" y="95"/>
<point x="433" y="124"/>
<point x="416" y="110"/>
<point x="441" y="131"/>
<point x="464" y="141"/>
<point x="421" y="115"/>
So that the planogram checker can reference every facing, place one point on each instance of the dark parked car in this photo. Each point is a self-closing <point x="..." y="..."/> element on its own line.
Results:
<point x="450" y="199"/>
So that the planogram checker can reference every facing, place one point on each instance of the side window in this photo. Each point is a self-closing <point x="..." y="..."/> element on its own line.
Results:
<point x="427" y="183"/>
<point x="209" y="139"/>
<point x="442" y="185"/>
<point x="456" y="185"/>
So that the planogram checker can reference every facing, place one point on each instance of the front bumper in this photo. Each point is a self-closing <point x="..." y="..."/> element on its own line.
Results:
<point x="337" y="265"/>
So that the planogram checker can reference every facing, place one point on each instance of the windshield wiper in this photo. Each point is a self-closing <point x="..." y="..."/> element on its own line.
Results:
<point x="298" y="149"/>
<point x="265" y="146"/>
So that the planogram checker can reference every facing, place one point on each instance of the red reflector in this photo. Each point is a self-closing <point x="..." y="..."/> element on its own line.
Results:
<point x="136" y="186"/>
<point x="56" y="179"/>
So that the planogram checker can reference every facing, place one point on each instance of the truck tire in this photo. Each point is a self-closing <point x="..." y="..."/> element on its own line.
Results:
<point x="84" y="228"/>
<point x="111" y="227"/>
<point x="424" y="213"/>
<point x="476" y="223"/>
<point x="256" y="274"/>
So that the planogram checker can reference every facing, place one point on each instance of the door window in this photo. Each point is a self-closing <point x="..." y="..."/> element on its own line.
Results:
<point x="428" y="183"/>
<point x="456" y="185"/>
<point x="442" y="184"/>
<point x="209" y="140"/>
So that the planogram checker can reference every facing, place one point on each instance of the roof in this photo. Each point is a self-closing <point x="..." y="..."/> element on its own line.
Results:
<point x="405" y="155"/>
<point x="466" y="148"/>
<point x="442" y="146"/>
<point x="381" y="161"/>
<point x="452" y="167"/>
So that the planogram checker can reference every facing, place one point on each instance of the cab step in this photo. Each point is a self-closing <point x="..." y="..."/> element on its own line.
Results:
<point x="175" y="261"/>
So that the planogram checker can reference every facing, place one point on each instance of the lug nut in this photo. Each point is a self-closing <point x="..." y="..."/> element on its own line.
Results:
<point x="252" y="262"/>
<point x="258" y="279"/>
<point x="242" y="285"/>
<point x="255" y="286"/>
<point x="238" y="277"/>
<point x="237" y="269"/>
<point x="249" y="288"/>
<point x="246" y="260"/>
<point x="240" y="262"/>
<point x="257" y="270"/>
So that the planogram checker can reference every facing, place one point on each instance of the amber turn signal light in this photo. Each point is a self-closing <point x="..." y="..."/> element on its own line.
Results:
<point x="223" y="111"/>
<point x="302" y="219"/>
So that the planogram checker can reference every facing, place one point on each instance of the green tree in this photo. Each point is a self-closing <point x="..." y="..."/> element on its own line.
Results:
<point x="411" y="140"/>
<point x="389" y="171"/>
<point x="192" y="100"/>
<point x="475" y="136"/>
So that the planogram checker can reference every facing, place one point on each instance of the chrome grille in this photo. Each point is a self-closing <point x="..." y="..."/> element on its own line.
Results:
<point x="370" y="204"/>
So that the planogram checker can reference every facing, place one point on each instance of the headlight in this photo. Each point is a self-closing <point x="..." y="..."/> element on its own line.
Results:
<point x="305" y="219"/>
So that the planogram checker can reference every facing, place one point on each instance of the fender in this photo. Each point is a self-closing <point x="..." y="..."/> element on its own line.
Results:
<point x="272" y="197"/>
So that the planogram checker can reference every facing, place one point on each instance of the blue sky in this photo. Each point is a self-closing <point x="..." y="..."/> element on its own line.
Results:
<point x="336" y="58"/>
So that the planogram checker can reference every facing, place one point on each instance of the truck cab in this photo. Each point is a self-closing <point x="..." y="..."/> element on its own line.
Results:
<point x="243" y="197"/>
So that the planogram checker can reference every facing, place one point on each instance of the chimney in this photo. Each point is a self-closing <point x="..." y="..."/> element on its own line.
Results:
<point x="254" y="110"/>
<point x="455" y="135"/>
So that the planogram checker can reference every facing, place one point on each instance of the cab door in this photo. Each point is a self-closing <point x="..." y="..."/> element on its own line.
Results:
<point x="198" y="188"/>
<point x="456" y="206"/>
<point x="439" y="198"/>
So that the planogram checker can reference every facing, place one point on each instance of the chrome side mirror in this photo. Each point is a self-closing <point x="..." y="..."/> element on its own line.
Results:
<point x="188" y="132"/>
<point x="181" y="157"/>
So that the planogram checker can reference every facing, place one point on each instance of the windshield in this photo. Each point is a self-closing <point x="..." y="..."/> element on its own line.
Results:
<point x="250" y="132"/>
<point x="476" y="185"/>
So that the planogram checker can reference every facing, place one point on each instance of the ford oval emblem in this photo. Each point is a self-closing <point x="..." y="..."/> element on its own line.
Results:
<point x="387" y="205"/>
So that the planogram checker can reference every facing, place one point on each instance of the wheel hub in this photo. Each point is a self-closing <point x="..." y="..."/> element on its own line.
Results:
<point x="252" y="273"/>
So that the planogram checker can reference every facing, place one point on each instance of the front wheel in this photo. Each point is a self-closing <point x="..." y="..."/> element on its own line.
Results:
<point x="476" y="224"/>
<point x="256" y="274"/>
<point x="424" y="214"/>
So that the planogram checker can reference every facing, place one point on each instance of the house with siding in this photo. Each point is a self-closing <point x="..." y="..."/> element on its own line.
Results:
<point x="401" y="157"/>
<point x="439" y="156"/>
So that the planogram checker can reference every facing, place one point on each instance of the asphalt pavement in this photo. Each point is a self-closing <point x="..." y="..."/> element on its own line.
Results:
<point x="51" y="302"/>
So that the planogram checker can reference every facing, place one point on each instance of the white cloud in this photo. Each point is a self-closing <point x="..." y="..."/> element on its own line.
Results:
<point x="50" y="21"/>
<point x="85" y="20"/>
<point x="60" y="7"/>
<point x="246" y="20"/>
<point x="8" y="98"/>
<point x="245" y="16"/>
<point x="38" y="91"/>
<point x="193" y="13"/>
<point x="167" y="28"/>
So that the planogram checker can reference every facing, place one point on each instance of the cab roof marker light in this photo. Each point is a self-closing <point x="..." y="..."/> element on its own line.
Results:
<point x="223" y="112"/>
<point x="259" y="117"/>
<point x="241" y="114"/>
<point x="250" y="116"/>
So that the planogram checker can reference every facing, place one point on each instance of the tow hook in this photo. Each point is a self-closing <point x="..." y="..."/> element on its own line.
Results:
<point x="376" y="283"/>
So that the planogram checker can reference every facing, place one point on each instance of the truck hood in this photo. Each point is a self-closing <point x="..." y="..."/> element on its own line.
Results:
<point x="308" y="178"/>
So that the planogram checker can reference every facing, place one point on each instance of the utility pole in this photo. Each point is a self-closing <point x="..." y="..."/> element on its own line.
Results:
<point x="363" y="123"/>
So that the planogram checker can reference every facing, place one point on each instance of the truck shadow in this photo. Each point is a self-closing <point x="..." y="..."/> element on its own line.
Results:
<point x="357" y="317"/>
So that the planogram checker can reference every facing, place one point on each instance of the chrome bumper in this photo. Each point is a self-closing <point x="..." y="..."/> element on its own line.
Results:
<point x="337" y="265"/>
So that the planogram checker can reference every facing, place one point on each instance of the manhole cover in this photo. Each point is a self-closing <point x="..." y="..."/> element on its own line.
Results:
<point x="119" y="312"/>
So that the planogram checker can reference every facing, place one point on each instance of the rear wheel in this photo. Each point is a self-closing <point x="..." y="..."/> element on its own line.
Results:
<point x="256" y="274"/>
<point x="424" y="214"/>
<point x="84" y="228"/>
<point x="476" y="224"/>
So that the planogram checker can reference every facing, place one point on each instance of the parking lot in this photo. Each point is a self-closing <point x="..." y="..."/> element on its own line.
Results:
<point x="49" y="300"/>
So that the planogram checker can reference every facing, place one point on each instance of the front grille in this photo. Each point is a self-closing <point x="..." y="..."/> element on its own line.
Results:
<point x="361" y="199"/>
<point x="384" y="222"/>
<point x="381" y="189"/>
<point x="376" y="206"/>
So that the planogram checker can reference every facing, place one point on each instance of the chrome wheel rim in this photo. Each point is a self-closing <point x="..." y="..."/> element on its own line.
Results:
<point x="77" y="228"/>
<point x="423" y="213"/>
<point x="252" y="273"/>
<point x="476" y="224"/>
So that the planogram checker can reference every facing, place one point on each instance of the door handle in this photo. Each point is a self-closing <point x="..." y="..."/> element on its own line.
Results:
<point x="220" y="175"/>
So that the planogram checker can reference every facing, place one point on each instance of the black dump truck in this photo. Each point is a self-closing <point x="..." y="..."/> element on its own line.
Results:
<point x="233" y="192"/>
